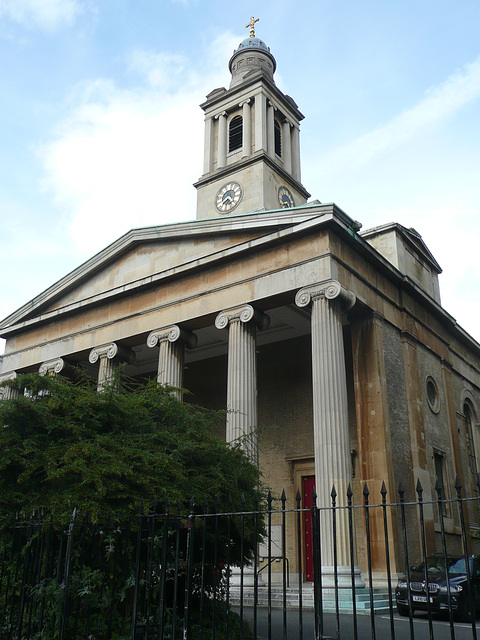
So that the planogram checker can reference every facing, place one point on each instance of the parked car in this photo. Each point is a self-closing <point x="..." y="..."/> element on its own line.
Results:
<point x="438" y="588"/>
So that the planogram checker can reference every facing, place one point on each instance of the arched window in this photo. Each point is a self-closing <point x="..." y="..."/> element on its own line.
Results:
<point x="235" y="133"/>
<point x="472" y="460"/>
<point x="278" y="138"/>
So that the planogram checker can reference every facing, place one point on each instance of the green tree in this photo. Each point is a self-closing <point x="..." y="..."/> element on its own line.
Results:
<point x="110" y="455"/>
<point x="64" y="446"/>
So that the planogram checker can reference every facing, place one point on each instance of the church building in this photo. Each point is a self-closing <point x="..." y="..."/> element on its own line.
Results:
<point x="327" y="344"/>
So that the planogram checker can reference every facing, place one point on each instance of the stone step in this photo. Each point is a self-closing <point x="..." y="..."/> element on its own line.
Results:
<point x="380" y="599"/>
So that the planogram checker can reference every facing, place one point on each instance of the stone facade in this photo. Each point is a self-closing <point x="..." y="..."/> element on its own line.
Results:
<point x="329" y="345"/>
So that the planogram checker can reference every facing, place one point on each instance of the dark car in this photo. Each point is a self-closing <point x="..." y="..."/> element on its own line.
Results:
<point x="438" y="586"/>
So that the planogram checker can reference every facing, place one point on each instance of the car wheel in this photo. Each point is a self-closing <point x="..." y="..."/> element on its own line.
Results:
<point x="403" y="610"/>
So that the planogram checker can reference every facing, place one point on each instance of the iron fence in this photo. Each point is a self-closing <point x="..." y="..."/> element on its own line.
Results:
<point x="222" y="572"/>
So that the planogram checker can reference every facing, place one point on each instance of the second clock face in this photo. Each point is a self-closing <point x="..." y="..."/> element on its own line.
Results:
<point x="285" y="198"/>
<point x="228" y="197"/>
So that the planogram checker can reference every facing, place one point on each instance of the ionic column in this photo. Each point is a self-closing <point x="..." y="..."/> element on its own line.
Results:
<point x="222" y="139"/>
<point x="53" y="367"/>
<point x="171" y="355"/>
<point x="271" y="130"/>
<point x="207" y="147"/>
<point x="247" y="128"/>
<point x="242" y="323"/>
<point x="260" y="123"/>
<point x="109" y="356"/>
<point x="8" y="392"/>
<point x="330" y="418"/>
<point x="287" y="147"/>
<point x="296" y="153"/>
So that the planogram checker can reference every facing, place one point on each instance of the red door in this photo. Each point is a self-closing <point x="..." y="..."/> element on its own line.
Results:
<point x="308" y="485"/>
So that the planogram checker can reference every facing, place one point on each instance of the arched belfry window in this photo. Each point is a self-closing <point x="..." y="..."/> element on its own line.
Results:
<point x="278" y="138"/>
<point x="235" y="133"/>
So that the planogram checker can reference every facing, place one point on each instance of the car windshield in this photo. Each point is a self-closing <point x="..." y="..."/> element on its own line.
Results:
<point x="436" y="564"/>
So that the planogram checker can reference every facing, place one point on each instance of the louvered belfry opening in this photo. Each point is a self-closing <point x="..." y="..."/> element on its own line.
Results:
<point x="235" y="133"/>
<point x="278" y="139"/>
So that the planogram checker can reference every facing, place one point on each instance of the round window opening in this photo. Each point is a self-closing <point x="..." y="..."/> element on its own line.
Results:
<point x="432" y="395"/>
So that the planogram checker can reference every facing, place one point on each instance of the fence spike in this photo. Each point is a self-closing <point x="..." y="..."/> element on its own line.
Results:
<point x="366" y="491"/>
<point x="383" y="491"/>
<point x="419" y="489"/>
<point x="298" y="498"/>
<point x="283" y="498"/>
<point x="349" y="491"/>
<point x="401" y="490"/>
<point x="333" y="493"/>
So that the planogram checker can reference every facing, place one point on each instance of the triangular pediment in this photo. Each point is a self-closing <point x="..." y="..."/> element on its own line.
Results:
<point x="146" y="257"/>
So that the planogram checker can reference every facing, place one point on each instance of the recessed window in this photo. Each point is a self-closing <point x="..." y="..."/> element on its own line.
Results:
<point x="235" y="133"/>
<point x="433" y="396"/>
<point x="472" y="460"/>
<point x="439" y="460"/>
<point x="278" y="138"/>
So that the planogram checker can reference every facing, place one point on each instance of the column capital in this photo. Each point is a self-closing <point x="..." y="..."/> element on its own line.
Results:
<point x="243" y="313"/>
<point x="222" y="113"/>
<point x="172" y="334"/>
<point x="330" y="290"/>
<point x="5" y="377"/>
<point x="52" y="367"/>
<point x="247" y="101"/>
<point x="111" y="351"/>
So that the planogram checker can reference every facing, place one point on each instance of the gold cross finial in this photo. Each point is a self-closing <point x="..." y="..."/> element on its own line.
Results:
<point x="251" y="24"/>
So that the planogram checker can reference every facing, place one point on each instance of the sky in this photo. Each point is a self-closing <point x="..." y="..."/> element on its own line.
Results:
<point x="101" y="130"/>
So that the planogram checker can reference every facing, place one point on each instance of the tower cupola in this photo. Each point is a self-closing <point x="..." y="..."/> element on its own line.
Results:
<point x="251" y="55"/>
<point x="252" y="139"/>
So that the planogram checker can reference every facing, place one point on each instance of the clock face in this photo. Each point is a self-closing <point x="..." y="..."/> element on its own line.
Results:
<point x="285" y="198"/>
<point x="228" y="197"/>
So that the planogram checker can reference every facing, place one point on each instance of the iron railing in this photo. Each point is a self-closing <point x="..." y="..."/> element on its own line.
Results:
<point x="195" y="572"/>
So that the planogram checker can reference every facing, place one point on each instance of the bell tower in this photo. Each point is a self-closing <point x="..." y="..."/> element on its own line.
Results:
<point x="252" y="139"/>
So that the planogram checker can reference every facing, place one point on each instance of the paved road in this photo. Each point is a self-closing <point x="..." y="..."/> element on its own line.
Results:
<point x="441" y="628"/>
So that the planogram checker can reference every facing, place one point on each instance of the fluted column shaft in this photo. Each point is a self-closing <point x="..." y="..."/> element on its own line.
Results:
<point x="207" y="147"/>
<point x="287" y="147"/>
<point x="271" y="130"/>
<point x="260" y="123"/>
<point x="247" y="129"/>
<point x="108" y="357"/>
<point x="171" y="355"/>
<point x="330" y="411"/>
<point x="296" y="153"/>
<point x="242" y="324"/>
<point x="222" y="140"/>
<point x="7" y="393"/>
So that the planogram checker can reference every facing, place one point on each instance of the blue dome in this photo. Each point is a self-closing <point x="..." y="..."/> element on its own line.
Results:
<point x="252" y="43"/>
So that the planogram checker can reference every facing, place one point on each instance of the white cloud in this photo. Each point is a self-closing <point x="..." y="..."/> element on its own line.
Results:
<point x="46" y="14"/>
<point x="439" y="103"/>
<point x="126" y="159"/>
<point x="161" y="70"/>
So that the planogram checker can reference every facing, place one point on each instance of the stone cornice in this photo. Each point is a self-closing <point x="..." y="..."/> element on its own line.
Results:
<point x="329" y="290"/>
<point x="284" y="223"/>
<point x="172" y="334"/>
<point x="243" y="313"/>
<point x="259" y="156"/>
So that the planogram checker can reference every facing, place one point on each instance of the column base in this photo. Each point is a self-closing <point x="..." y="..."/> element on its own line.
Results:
<point x="344" y="578"/>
